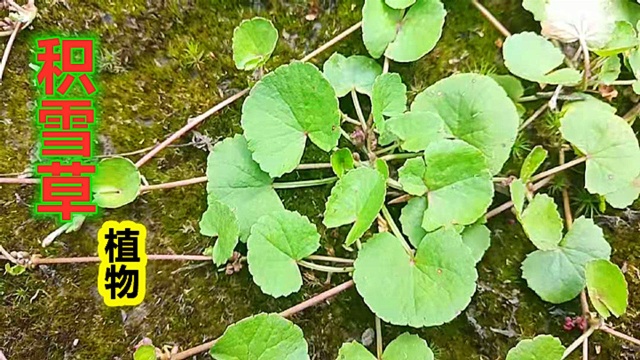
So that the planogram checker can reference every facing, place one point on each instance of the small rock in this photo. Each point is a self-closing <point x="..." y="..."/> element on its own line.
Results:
<point x="107" y="19"/>
<point x="368" y="336"/>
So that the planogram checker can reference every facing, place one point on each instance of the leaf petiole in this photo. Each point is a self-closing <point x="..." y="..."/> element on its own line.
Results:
<point x="578" y="342"/>
<point x="324" y="268"/>
<point x="620" y="335"/>
<point x="559" y="168"/>
<point x="379" y="334"/>
<point x="314" y="166"/>
<point x="304" y="183"/>
<point x="399" y="156"/>
<point x="356" y="104"/>
<point x="395" y="184"/>
<point x="330" y="259"/>
<point x="396" y="230"/>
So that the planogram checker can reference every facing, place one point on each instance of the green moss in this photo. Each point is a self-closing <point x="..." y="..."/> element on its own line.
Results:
<point x="153" y="93"/>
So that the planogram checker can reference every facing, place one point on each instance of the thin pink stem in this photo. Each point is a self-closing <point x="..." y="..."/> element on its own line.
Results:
<point x="174" y="184"/>
<point x="19" y="181"/>
<point x="492" y="19"/>
<point x="93" y="259"/>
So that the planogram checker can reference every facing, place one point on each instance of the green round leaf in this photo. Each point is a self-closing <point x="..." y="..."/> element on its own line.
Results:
<point x="611" y="147"/>
<point x="542" y="347"/>
<point x="477" y="237"/>
<point x="460" y="186"/>
<point x="411" y="176"/>
<point x="610" y="70"/>
<point x="253" y="42"/>
<point x="587" y="104"/>
<point x="622" y="39"/>
<point x="534" y="58"/>
<point x="418" y="32"/>
<point x="382" y="168"/>
<point x="407" y="347"/>
<point x="354" y="351"/>
<point x="477" y="110"/>
<point x="237" y="181"/>
<point x="429" y="289"/>
<point x="342" y="161"/>
<point x="607" y="288"/>
<point x="400" y="4"/>
<point x="388" y="98"/>
<point x="542" y="222"/>
<point x="511" y="85"/>
<point x="277" y="241"/>
<point x="411" y="220"/>
<point x="536" y="7"/>
<point x="404" y="347"/>
<point x="389" y="95"/>
<point x="379" y="26"/>
<point x="357" y="197"/>
<point x="417" y="129"/>
<point x="115" y="183"/>
<point x="219" y="220"/>
<point x="145" y="352"/>
<point x="402" y="38"/>
<point x="353" y="73"/>
<point x="532" y="162"/>
<point x="284" y="108"/>
<point x="633" y="59"/>
<point x="624" y="196"/>
<point x="558" y="275"/>
<point x="261" y="337"/>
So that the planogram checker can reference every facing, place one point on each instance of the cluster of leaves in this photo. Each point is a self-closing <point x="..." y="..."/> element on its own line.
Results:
<point x="457" y="134"/>
<point x="562" y="266"/>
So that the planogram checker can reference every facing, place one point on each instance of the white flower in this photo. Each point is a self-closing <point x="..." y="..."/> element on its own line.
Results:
<point x="591" y="21"/>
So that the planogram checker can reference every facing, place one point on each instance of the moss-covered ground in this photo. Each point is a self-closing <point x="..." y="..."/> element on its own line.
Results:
<point x="164" y="61"/>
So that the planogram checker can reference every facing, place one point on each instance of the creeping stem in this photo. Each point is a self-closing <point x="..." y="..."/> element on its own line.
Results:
<point x="620" y="335"/>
